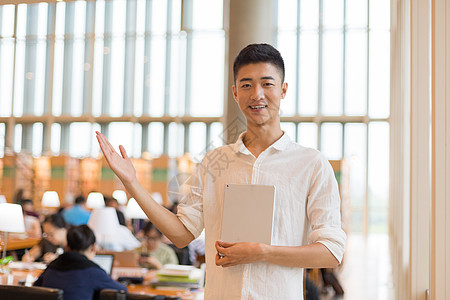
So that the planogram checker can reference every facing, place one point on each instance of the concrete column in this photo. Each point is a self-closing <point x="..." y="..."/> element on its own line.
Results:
<point x="245" y="22"/>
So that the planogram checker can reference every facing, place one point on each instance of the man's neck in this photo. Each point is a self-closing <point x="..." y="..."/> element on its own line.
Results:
<point x="259" y="138"/>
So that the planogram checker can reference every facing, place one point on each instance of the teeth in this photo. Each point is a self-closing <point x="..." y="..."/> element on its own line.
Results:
<point x="258" y="107"/>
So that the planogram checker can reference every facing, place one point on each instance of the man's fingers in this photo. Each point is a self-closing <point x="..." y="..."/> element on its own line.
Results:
<point x="123" y="152"/>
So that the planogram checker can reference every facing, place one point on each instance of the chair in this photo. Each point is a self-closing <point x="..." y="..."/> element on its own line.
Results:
<point x="108" y="294"/>
<point x="17" y="292"/>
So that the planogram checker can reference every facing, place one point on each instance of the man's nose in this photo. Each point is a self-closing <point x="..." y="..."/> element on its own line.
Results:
<point x="257" y="92"/>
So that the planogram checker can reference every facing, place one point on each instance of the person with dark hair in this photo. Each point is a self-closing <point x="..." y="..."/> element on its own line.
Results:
<point x="30" y="218"/>
<point x="74" y="271"/>
<point x="77" y="214"/>
<point x="111" y="202"/>
<point x="153" y="253"/>
<point x="53" y="240"/>
<point x="306" y="229"/>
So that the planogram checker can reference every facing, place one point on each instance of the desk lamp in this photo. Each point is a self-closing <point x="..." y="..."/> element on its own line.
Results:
<point x="95" y="200"/>
<point x="105" y="224"/>
<point x="120" y="196"/>
<point x="11" y="220"/>
<point x="134" y="211"/>
<point x="50" y="199"/>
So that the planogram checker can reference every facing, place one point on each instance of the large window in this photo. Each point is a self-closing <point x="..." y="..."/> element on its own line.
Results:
<point x="337" y="58"/>
<point x="122" y="67"/>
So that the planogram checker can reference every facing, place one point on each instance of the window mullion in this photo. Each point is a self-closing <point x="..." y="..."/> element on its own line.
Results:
<point x="147" y="55"/>
<point x="130" y="59"/>
<point x="106" y="88"/>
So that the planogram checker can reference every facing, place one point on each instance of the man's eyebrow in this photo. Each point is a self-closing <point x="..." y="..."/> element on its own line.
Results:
<point x="250" y="79"/>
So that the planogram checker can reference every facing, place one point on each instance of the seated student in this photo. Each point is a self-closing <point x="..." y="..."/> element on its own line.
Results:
<point x="53" y="243"/>
<point x="74" y="271"/>
<point x="154" y="254"/>
<point x="111" y="202"/>
<point x="32" y="224"/>
<point x="77" y="214"/>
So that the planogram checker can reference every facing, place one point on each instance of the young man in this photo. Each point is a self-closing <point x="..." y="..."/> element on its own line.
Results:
<point x="307" y="194"/>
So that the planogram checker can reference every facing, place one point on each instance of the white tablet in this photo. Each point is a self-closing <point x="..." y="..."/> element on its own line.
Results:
<point x="248" y="211"/>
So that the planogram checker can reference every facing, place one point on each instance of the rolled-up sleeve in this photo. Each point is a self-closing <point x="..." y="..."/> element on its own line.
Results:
<point x="323" y="210"/>
<point x="190" y="208"/>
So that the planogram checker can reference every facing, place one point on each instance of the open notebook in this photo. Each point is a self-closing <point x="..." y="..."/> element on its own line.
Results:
<point x="248" y="211"/>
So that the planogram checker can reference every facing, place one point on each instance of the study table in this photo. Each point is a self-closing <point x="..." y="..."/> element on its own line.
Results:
<point x="19" y="276"/>
<point x="15" y="243"/>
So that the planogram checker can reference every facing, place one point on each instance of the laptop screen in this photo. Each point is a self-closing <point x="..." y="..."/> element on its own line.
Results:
<point x="105" y="261"/>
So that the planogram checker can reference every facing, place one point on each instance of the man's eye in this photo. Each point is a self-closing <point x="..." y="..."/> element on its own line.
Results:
<point x="245" y="85"/>
<point x="268" y="84"/>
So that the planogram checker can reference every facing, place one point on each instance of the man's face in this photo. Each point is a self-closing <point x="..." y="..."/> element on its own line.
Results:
<point x="258" y="90"/>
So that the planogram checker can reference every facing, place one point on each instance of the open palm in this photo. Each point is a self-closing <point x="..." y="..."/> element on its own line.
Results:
<point x="120" y="164"/>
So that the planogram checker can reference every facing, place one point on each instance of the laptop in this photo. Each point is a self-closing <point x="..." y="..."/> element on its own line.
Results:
<point x="105" y="261"/>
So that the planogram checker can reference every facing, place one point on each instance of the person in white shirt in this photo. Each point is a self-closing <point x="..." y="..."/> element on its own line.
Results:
<point x="307" y="228"/>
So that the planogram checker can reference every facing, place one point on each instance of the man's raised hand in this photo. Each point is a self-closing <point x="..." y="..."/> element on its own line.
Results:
<point x="121" y="165"/>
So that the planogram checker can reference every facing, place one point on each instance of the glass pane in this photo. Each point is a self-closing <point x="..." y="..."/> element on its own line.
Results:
<point x="60" y="19"/>
<point x="216" y="133"/>
<point x="333" y="14"/>
<point x="121" y="133"/>
<point x="6" y="76"/>
<point x="159" y="16"/>
<point x="19" y="78"/>
<point x="55" y="139"/>
<point x="207" y="75"/>
<point x="207" y="15"/>
<point x="309" y="14"/>
<point x="156" y="82"/>
<point x="36" y="148"/>
<point x="119" y="16"/>
<point x="95" y="151"/>
<point x="332" y="73"/>
<point x="18" y="138"/>
<point x="289" y="129"/>
<point x="77" y="78"/>
<point x="176" y="140"/>
<point x="41" y="49"/>
<point x="308" y="73"/>
<point x="117" y="73"/>
<point x="357" y="223"/>
<point x="137" y="139"/>
<point x="356" y="73"/>
<point x="156" y="138"/>
<point x="78" y="132"/>
<point x="176" y="16"/>
<point x="42" y="19"/>
<point x="380" y="14"/>
<point x="287" y="15"/>
<point x="331" y="140"/>
<point x="379" y="74"/>
<point x="197" y="139"/>
<point x="355" y="153"/>
<point x="140" y="16"/>
<point x="356" y="13"/>
<point x="58" y="77"/>
<point x="2" y="139"/>
<point x="378" y="221"/>
<point x="21" y="21"/>
<point x="80" y="19"/>
<point x="285" y="42"/>
<point x="7" y="20"/>
<point x="178" y="77"/>
<point x="378" y="164"/>
<point x="97" y="81"/>
<point x="139" y="76"/>
<point x="307" y="135"/>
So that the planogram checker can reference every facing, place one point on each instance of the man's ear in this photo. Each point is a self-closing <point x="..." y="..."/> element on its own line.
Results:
<point x="234" y="92"/>
<point x="284" y="88"/>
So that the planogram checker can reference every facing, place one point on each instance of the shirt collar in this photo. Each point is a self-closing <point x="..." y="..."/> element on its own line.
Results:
<point x="280" y="144"/>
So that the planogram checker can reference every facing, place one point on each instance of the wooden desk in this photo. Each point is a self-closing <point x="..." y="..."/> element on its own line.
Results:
<point x="19" y="243"/>
<point x="21" y="275"/>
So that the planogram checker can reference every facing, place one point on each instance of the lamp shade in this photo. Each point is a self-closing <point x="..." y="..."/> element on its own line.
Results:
<point x="120" y="196"/>
<point x="103" y="221"/>
<point x="3" y="199"/>
<point x="95" y="200"/>
<point x="11" y="218"/>
<point x="50" y="199"/>
<point x="134" y="211"/>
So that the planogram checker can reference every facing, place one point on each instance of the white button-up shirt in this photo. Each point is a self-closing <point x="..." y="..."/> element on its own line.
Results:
<point x="307" y="210"/>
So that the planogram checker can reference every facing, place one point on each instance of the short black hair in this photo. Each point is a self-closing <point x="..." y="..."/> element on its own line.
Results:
<point x="149" y="226"/>
<point x="56" y="220"/>
<point x="257" y="53"/>
<point x="25" y="201"/>
<point x="80" y="238"/>
<point x="80" y="200"/>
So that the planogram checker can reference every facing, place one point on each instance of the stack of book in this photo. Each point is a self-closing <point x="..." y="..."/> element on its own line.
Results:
<point x="178" y="276"/>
